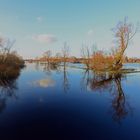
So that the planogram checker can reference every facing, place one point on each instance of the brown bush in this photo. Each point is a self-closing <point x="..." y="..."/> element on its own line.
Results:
<point x="10" y="67"/>
<point x="100" y="61"/>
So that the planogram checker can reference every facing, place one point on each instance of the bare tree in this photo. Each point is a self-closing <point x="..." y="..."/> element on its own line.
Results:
<point x="124" y="33"/>
<point x="85" y="51"/>
<point x="47" y="56"/>
<point x="5" y="47"/>
<point x="65" y="54"/>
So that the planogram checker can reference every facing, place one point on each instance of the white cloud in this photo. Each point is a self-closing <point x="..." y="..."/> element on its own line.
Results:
<point x="90" y="32"/>
<point x="45" y="38"/>
<point x="39" y="19"/>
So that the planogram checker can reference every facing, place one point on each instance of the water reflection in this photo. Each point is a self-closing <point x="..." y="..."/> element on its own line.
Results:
<point x="44" y="83"/>
<point x="59" y="69"/>
<point x="85" y="81"/>
<point x="48" y="68"/>
<point x="75" y="112"/>
<point x="66" y="84"/>
<point x="101" y="82"/>
<point x="7" y="90"/>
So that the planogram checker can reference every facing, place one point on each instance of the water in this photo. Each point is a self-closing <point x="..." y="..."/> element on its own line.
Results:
<point x="70" y="105"/>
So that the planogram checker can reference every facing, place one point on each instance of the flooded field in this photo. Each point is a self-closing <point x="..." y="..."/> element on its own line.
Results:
<point x="72" y="104"/>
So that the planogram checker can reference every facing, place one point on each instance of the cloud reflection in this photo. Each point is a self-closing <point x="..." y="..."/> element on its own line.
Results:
<point x="44" y="83"/>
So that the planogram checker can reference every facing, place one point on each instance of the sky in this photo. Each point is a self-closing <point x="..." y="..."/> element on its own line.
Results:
<point x="41" y="25"/>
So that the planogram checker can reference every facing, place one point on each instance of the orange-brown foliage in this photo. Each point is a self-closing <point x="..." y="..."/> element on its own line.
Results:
<point x="100" y="61"/>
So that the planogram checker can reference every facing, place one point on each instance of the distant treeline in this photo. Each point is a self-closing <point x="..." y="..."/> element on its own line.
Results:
<point x="77" y="60"/>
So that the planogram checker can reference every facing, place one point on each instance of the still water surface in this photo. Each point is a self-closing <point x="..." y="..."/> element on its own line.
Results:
<point x="47" y="103"/>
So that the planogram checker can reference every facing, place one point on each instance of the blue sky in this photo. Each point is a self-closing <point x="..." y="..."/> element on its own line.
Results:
<point x="40" y="25"/>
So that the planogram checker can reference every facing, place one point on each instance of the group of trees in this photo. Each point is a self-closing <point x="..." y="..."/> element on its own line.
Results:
<point x="99" y="60"/>
<point x="58" y="58"/>
<point x="10" y="61"/>
<point x="113" y="61"/>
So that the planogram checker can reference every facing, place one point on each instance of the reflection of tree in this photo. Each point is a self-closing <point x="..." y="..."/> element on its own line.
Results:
<point x="48" y="68"/>
<point x="112" y="83"/>
<point x="57" y="68"/>
<point x="37" y="66"/>
<point x="85" y="79"/>
<point x="65" y="79"/>
<point x="7" y="89"/>
<point x="102" y="82"/>
<point x="121" y="107"/>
